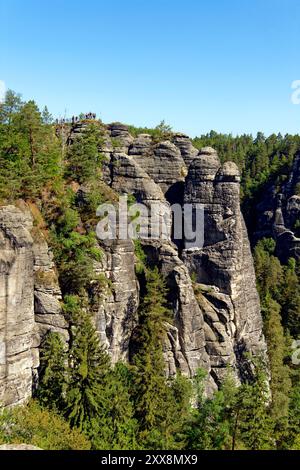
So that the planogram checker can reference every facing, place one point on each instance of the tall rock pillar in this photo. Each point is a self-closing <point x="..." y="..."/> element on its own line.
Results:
<point x="224" y="266"/>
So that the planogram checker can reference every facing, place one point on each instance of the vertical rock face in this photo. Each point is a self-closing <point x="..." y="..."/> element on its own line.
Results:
<point x="184" y="347"/>
<point x="128" y="176"/>
<point x="216" y="319"/>
<point x="120" y="135"/>
<point x="277" y="213"/>
<point x="116" y="315"/>
<point x="16" y="308"/>
<point x="188" y="152"/>
<point x="47" y="293"/>
<point x="224" y="264"/>
<point x="288" y="205"/>
<point x="25" y="288"/>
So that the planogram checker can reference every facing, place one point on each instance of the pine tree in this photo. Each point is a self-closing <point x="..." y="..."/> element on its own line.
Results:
<point x="255" y="426"/>
<point x="231" y="412"/>
<point x="272" y="279"/>
<point x="52" y="372"/>
<point x="269" y="272"/>
<point x="41" y="150"/>
<point x="182" y="391"/>
<point x="10" y="172"/>
<point x="47" y="117"/>
<point x="280" y="375"/>
<point x="117" y="427"/>
<point x="208" y="428"/>
<point x="290" y="298"/>
<point x="29" y="150"/>
<point x="154" y="401"/>
<point x="88" y="365"/>
<point x="9" y="107"/>
<point x="293" y="439"/>
<point x="83" y="155"/>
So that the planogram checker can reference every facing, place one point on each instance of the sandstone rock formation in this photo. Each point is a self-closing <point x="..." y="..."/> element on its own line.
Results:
<point x="17" y="357"/>
<point x="120" y="136"/>
<point x="277" y="213"/>
<point x="116" y="315"/>
<point x="28" y="284"/>
<point x="188" y="152"/>
<point x="162" y="162"/>
<point x="216" y="318"/>
<point x="212" y="292"/>
<point x="185" y="347"/>
<point x="224" y="263"/>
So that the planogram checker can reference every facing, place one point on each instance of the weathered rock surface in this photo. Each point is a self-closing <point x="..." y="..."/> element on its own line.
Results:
<point x="16" y="306"/>
<point x="116" y="315"/>
<point x="24" y="267"/>
<point x="232" y="314"/>
<point x="162" y="162"/>
<point x="19" y="447"/>
<point x="212" y="292"/>
<point x="47" y="293"/>
<point x="277" y="213"/>
<point x="217" y="318"/>
<point x="128" y="176"/>
<point x="184" y="347"/>
<point x="187" y="150"/>
<point x="120" y="136"/>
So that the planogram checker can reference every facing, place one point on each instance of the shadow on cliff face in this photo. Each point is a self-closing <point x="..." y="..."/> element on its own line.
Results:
<point x="175" y="195"/>
<point x="172" y="296"/>
<point x="244" y="363"/>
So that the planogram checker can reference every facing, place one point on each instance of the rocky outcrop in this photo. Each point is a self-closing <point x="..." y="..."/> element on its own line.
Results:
<point x="162" y="162"/>
<point x="212" y="293"/>
<point x="120" y="137"/>
<point x="224" y="263"/>
<point x="216" y="318"/>
<point x="47" y="293"/>
<point x="25" y="270"/>
<point x="116" y="315"/>
<point x="17" y="357"/>
<point x="278" y="212"/>
<point x="187" y="150"/>
<point x="129" y="177"/>
<point x="184" y="347"/>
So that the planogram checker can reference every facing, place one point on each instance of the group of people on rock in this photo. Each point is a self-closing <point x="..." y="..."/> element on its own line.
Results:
<point x="82" y="117"/>
<point x="89" y="116"/>
<point x="62" y="121"/>
<point x="76" y="119"/>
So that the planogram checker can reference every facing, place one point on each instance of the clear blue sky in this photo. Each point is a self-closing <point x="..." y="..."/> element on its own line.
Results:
<point x="226" y="65"/>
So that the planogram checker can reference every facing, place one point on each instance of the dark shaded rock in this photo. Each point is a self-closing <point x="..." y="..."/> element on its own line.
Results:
<point x="277" y="212"/>
<point x="142" y="145"/>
